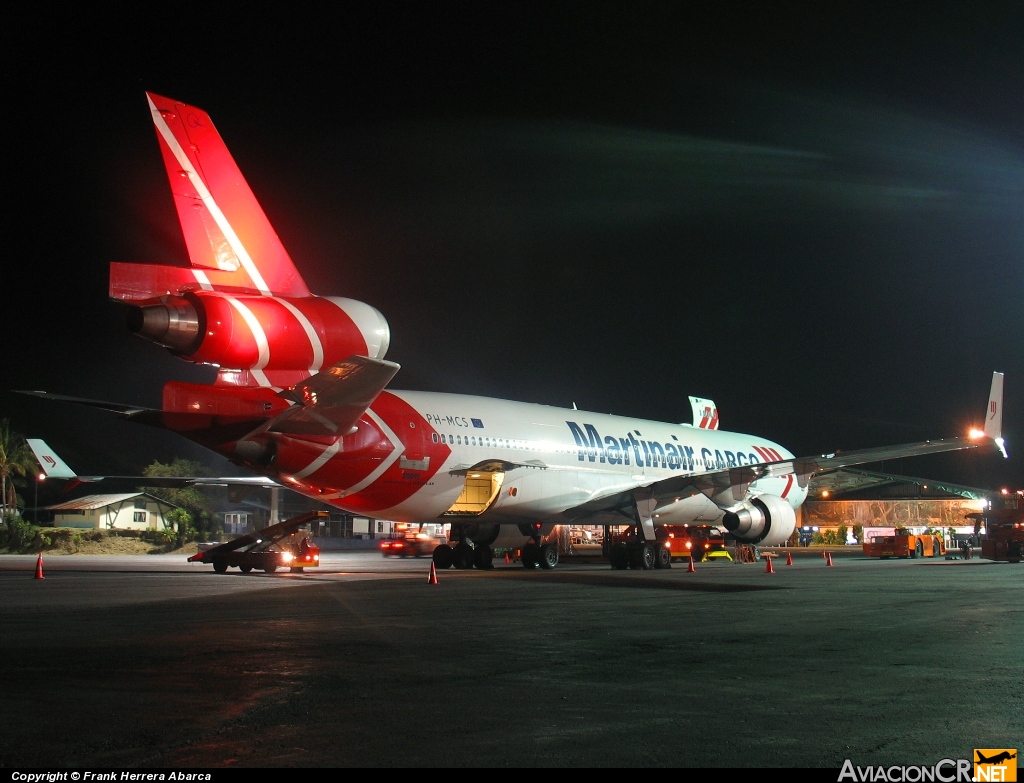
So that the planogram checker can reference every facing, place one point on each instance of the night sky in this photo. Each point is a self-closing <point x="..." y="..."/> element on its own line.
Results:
<point x="813" y="218"/>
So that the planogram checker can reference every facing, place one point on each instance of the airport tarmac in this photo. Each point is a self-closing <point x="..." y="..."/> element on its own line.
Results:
<point x="150" y="661"/>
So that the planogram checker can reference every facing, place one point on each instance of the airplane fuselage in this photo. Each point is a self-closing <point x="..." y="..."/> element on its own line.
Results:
<point x="412" y="454"/>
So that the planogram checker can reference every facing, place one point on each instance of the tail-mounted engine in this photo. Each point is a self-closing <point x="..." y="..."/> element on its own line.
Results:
<point x="767" y="519"/>
<point x="264" y="333"/>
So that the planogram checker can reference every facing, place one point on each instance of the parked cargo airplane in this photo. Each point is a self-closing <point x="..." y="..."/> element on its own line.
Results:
<point x="301" y="397"/>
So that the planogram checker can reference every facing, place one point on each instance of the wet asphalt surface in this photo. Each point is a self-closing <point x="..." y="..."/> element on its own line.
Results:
<point x="153" y="662"/>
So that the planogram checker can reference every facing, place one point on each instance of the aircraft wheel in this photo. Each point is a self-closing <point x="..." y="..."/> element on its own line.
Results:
<point x="663" y="557"/>
<point x="642" y="557"/>
<point x="220" y="566"/>
<point x="619" y="558"/>
<point x="297" y="569"/>
<point x="443" y="556"/>
<point x="548" y="558"/>
<point x="462" y="557"/>
<point x="482" y="557"/>
<point x="245" y="569"/>
<point x="531" y="555"/>
<point x="648" y="556"/>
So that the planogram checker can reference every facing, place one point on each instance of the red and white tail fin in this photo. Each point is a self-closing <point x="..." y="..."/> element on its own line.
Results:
<point x="231" y="244"/>
<point x="705" y="413"/>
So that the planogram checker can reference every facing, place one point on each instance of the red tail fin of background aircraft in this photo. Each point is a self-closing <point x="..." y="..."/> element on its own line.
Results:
<point x="231" y="244"/>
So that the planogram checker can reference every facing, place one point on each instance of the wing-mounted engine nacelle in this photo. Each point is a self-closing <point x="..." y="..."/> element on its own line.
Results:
<point x="766" y="519"/>
<point x="243" y="332"/>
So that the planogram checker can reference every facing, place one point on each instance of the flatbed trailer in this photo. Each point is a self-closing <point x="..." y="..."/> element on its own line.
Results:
<point x="905" y="544"/>
<point x="277" y="546"/>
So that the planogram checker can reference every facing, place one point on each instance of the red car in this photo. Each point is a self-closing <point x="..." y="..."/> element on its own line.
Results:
<point x="409" y="543"/>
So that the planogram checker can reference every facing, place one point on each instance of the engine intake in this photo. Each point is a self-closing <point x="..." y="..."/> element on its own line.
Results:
<point x="766" y="519"/>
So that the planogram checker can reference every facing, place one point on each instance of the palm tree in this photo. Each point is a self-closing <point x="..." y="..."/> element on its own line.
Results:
<point x="16" y="459"/>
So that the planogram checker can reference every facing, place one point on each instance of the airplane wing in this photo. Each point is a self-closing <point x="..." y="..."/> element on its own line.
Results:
<point x="731" y="485"/>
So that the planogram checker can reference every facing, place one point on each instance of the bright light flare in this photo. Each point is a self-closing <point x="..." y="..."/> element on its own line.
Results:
<point x="1002" y="447"/>
<point x="976" y="433"/>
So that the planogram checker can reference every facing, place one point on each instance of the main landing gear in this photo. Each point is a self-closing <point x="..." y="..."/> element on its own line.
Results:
<point x="538" y="555"/>
<point x="464" y="556"/>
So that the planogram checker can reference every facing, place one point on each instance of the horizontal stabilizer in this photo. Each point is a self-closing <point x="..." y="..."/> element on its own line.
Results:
<point x="331" y="402"/>
<point x="128" y="411"/>
<point x="146" y="282"/>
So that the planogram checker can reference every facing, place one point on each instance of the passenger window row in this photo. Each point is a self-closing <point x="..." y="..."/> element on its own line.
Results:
<point x="472" y="440"/>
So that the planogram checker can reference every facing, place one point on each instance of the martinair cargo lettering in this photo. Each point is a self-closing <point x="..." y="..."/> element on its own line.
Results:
<point x="301" y="398"/>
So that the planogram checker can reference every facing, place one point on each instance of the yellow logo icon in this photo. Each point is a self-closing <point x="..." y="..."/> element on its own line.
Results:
<point x="998" y="765"/>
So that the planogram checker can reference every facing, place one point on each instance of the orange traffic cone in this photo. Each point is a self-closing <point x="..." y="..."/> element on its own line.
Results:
<point x="824" y="554"/>
<point x="769" y="569"/>
<point x="39" y="567"/>
<point x="828" y="558"/>
<point x="507" y="558"/>
<point x="789" y="558"/>
<point x="690" y="569"/>
<point x="432" y="579"/>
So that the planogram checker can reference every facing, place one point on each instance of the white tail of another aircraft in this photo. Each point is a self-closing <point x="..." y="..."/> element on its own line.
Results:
<point x="52" y="465"/>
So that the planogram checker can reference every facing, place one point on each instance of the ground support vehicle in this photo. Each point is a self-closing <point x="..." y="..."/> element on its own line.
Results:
<point x="408" y="542"/>
<point x="1004" y="534"/>
<point x="279" y="546"/>
<point x="630" y="550"/>
<point x="701" y="542"/>
<point x="905" y="544"/>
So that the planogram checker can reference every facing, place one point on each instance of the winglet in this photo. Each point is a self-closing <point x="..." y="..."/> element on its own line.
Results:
<point x="52" y="465"/>
<point x="994" y="414"/>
